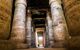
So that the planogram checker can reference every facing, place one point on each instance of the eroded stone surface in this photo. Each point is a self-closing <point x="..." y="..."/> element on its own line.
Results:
<point x="18" y="28"/>
<point x="72" y="15"/>
<point x="5" y="18"/>
<point x="74" y="41"/>
<point x="6" y="45"/>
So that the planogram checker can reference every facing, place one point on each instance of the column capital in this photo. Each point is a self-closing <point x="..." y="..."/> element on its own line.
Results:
<point x="23" y="2"/>
<point x="52" y="1"/>
<point x="55" y="3"/>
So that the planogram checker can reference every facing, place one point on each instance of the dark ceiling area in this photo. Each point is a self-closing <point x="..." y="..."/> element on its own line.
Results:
<point x="38" y="3"/>
<point x="38" y="14"/>
<point x="39" y="19"/>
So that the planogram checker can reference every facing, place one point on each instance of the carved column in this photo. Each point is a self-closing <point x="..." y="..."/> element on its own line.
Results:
<point x="29" y="28"/>
<point x="50" y="33"/>
<point x="59" y="24"/>
<point x="18" y="28"/>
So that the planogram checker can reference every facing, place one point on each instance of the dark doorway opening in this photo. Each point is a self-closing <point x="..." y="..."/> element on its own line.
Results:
<point x="38" y="29"/>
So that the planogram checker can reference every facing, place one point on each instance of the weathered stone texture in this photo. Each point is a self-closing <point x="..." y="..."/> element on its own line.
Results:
<point x="60" y="30"/>
<point x="28" y="27"/>
<point x="59" y="23"/>
<point x="50" y="30"/>
<point x="5" y="18"/>
<point x="18" y="28"/>
<point x="6" y="45"/>
<point x="72" y="15"/>
<point x="74" y="41"/>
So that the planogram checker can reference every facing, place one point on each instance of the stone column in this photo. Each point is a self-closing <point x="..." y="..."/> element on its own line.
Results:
<point x="18" y="28"/>
<point x="59" y="24"/>
<point x="29" y="28"/>
<point x="50" y="33"/>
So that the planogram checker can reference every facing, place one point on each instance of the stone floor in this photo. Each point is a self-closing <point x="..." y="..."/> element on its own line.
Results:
<point x="43" y="49"/>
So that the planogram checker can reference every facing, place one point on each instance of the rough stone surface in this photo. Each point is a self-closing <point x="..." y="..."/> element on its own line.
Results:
<point x="59" y="23"/>
<point x="18" y="28"/>
<point x="74" y="42"/>
<point x="60" y="30"/>
<point x="5" y="18"/>
<point x="6" y="45"/>
<point x="72" y="15"/>
<point x="50" y="32"/>
<point x="28" y="27"/>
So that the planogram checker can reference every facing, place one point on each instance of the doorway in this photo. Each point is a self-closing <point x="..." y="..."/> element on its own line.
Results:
<point x="39" y="28"/>
<point x="40" y="37"/>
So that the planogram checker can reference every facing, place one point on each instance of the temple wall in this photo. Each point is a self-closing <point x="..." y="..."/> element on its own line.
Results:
<point x="5" y="18"/>
<point x="5" y="22"/>
<point x="72" y="15"/>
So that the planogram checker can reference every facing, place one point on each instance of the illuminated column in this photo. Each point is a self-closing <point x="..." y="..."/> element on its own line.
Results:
<point x="59" y="24"/>
<point x="29" y="28"/>
<point x="50" y="33"/>
<point x="18" y="28"/>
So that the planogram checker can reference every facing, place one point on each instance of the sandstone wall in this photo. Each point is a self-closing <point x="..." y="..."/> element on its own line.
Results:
<point x="5" y="18"/>
<point x="72" y="15"/>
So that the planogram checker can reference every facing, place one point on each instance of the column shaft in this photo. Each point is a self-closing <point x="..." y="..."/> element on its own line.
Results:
<point x="59" y="24"/>
<point x="18" y="28"/>
<point x="50" y="33"/>
<point x="28" y="27"/>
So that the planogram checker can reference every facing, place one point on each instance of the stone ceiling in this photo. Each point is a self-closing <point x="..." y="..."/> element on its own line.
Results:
<point x="38" y="3"/>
